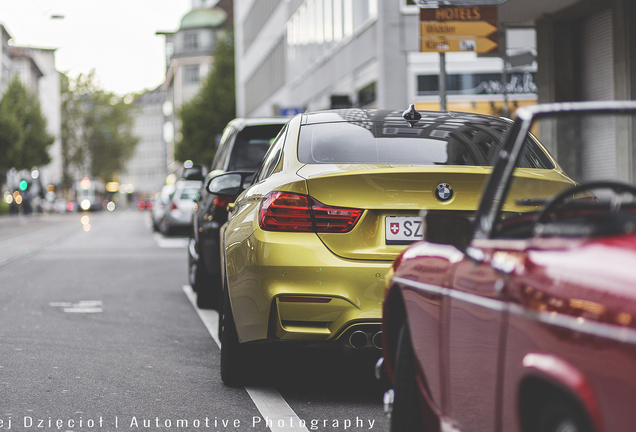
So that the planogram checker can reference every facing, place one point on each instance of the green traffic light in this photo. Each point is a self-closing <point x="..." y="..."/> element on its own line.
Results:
<point x="23" y="185"/>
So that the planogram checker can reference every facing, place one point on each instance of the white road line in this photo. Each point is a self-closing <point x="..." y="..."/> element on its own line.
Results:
<point x="209" y="317"/>
<point x="276" y="412"/>
<point x="167" y="242"/>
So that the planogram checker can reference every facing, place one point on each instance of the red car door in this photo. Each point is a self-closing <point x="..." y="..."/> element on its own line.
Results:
<point x="475" y="334"/>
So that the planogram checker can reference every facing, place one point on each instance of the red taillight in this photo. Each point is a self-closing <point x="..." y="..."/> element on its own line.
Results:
<point x="220" y="201"/>
<point x="173" y="206"/>
<point x="283" y="211"/>
<point x="334" y="219"/>
<point x="141" y="205"/>
<point x="150" y="205"/>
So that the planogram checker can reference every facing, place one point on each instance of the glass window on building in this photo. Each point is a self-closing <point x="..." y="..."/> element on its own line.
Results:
<point x="366" y="95"/>
<point x="478" y="84"/>
<point x="191" y="74"/>
<point x="191" y="41"/>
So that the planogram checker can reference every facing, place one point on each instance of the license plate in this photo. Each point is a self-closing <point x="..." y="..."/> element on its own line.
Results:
<point x="403" y="229"/>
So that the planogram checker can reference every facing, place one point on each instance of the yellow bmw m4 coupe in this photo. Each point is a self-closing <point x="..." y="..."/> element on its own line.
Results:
<point x="309" y="242"/>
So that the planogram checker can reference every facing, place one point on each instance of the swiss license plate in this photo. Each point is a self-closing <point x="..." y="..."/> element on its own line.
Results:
<point x="403" y="229"/>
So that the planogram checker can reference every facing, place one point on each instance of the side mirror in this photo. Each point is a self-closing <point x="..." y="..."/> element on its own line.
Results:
<point x="446" y="227"/>
<point x="230" y="184"/>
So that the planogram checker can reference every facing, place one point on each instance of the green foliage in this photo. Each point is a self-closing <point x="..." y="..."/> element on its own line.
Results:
<point x="24" y="139"/>
<point x="97" y="137"/>
<point x="206" y="115"/>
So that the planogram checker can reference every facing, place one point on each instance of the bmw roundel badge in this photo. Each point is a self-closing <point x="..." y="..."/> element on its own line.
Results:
<point x="444" y="192"/>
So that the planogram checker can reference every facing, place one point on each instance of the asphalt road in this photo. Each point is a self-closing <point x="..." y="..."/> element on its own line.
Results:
<point x="98" y="332"/>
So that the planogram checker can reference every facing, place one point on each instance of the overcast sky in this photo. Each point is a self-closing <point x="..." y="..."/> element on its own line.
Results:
<point x="115" y="37"/>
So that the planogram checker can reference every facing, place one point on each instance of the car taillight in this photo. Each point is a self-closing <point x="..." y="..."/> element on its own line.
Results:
<point x="334" y="219"/>
<point x="220" y="201"/>
<point x="283" y="211"/>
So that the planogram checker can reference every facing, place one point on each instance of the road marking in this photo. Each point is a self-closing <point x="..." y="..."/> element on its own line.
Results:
<point x="167" y="242"/>
<point x="84" y="306"/>
<point x="209" y="317"/>
<point x="276" y="412"/>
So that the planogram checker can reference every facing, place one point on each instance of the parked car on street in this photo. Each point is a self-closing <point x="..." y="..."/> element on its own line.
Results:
<point x="308" y="245"/>
<point x="243" y="144"/>
<point x="521" y="318"/>
<point x="177" y="215"/>
<point x="160" y="202"/>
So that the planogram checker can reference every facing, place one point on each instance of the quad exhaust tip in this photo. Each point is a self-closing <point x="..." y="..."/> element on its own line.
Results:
<point x="360" y="339"/>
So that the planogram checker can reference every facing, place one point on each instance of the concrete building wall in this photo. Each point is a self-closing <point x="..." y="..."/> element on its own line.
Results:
<point x="146" y="170"/>
<point x="49" y="96"/>
<point x="563" y="61"/>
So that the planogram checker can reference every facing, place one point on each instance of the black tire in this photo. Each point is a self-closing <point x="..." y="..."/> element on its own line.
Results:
<point x="164" y="228"/>
<point x="560" y="414"/>
<point x="192" y="267"/>
<point x="234" y="355"/>
<point x="406" y="415"/>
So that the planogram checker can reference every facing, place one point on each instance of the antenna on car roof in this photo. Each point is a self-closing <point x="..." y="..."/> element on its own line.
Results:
<point x="411" y="115"/>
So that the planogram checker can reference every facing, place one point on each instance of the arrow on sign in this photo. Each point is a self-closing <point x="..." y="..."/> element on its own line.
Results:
<point x="456" y="28"/>
<point x="479" y="45"/>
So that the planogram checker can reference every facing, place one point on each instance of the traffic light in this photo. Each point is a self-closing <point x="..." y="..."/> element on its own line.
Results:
<point x="23" y="185"/>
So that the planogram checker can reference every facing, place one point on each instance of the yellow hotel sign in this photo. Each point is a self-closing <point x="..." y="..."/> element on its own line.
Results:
<point x="457" y="29"/>
<point x="480" y="45"/>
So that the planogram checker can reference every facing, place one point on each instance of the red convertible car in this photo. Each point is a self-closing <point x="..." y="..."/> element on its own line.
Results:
<point x="522" y="316"/>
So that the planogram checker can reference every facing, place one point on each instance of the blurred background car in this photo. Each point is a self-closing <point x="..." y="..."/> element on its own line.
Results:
<point x="161" y="201"/>
<point x="242" y="146"/>
<point x="177" y="216"/>
<point x="308" y="245"/>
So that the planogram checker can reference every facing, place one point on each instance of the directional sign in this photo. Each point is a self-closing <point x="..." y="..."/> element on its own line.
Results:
<point x="436" y="3"/>
<point x="457" y="28"/>
<point x="479" y="45"/>
<point x="458" y="13"/>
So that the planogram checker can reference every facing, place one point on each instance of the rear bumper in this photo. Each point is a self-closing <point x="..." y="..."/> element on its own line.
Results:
<point x="288" y="286"/>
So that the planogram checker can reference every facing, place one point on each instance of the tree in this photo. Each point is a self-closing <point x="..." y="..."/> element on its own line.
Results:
<point x="204" y="117"/>
<point x="97" y="137"/>
<point x="24" y="139"/>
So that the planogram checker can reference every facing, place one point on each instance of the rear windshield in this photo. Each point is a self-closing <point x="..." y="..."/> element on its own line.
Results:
<point x="251" y="145"/>
<point x="189" y="192"/>
<point x="436" y="143"/>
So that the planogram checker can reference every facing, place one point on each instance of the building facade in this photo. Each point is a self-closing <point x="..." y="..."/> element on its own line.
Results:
<point x="587" y="51"/>
<point x="189" y="57"/>
<point x="146" y="171"/>
<point x="36" y="69"/>
<point x="301" y="55"/>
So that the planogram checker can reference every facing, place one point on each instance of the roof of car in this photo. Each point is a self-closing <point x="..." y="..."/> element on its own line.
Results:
<point x="362" y="115"/>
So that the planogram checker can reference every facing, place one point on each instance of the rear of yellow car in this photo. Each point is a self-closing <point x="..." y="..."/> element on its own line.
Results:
<point x="308" y="247"/>
<point x="314" y="268"/>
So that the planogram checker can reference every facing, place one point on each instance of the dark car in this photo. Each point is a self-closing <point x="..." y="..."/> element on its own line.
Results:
<point x="521" y="317"/>
<point x="242" y="147"/>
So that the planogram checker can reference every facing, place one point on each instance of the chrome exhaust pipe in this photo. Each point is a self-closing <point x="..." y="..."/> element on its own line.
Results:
<point x="358" y="339"/>
<point x="377" y="340"/>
